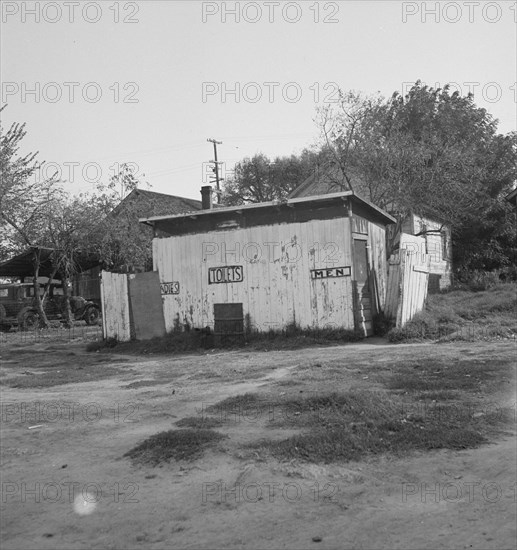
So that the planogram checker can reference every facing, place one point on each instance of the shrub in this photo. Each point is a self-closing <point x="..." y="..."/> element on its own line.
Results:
<point x="478" y="280"/>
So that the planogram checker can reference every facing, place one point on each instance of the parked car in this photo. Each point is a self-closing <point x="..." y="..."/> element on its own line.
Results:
<point x="18" y="306"/>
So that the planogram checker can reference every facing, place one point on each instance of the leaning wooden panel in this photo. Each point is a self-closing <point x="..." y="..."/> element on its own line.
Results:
<point x="115" y="306"/>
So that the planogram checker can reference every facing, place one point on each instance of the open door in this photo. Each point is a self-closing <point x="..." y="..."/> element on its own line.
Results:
<point x="362" y="292"/>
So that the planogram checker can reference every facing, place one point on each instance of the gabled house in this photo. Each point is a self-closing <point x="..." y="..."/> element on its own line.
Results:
<point x="156" y="204"/>
<point x="437" y="234"/>
<point x="139" y="203"/>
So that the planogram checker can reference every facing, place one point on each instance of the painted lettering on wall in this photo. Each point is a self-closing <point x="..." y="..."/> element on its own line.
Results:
<point x="170" y="288"/>
<point x="227" y="274"/>
<point x="330" y="272"/>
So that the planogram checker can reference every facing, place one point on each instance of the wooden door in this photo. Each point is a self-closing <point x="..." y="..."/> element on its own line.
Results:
<point x="362" y="292"/>
<point x="146" y="305"/>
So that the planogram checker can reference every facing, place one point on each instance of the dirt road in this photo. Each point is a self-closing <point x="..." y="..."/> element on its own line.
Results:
<point x="63" y="441"/>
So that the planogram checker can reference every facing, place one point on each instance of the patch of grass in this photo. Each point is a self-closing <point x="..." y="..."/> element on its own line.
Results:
<point x="188" y="444"/>
<point x="348" y="426"/>
<point x="428" y="404"/>
<point x="174" y="342"/>
<point x="343" y="445"/>
<point x="199" y="422"/>
<point x="294" y="337"/>
<point x="432" y="375"/>
<point x="464" y="315"/>
<point x="64" y="374"/>
<point x="196" y="341"/>
<point x="237" y="403"/>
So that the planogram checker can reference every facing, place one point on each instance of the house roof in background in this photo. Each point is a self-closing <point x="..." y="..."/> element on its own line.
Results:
<point x="171" y="203"/>
<point x="159" y="203"/>
<point x="325" y="180"/>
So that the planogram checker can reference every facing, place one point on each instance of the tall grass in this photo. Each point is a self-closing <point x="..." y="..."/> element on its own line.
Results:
<point x="464" y="314"/>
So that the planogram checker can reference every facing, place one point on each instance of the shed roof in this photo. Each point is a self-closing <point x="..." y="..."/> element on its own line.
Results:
<point x="316" y="200"/>
<point x="22" y="264"/>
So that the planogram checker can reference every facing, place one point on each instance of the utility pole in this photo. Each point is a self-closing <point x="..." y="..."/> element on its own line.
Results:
<point x="216" y="168"/>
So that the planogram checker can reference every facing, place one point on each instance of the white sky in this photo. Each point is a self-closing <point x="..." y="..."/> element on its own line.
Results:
<point x="168" y="55"/>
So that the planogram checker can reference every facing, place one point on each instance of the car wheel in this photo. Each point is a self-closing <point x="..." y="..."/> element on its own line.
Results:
<point x="91" y="315"/>
<point x="29" y="320"/>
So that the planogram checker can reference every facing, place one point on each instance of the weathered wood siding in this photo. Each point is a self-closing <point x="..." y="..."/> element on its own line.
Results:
<point x="115" y="306"/>
<point x="378" y="264"/>
<point x="407" y="280"/>
<point x="439" y="247"/>
<point x="277" y="287"/>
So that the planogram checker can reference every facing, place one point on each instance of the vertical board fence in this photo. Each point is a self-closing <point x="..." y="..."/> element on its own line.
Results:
<point x="131" y="306"/>
<point x="115" y="306"/>
<point x="408" y="277"/>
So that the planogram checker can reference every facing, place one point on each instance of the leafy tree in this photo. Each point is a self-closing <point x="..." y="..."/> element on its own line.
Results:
<point x="24" y="199"/>
<point x="67" y="230"/>
<point x="119" y="239"/>
<point x="430" y="152"/>
<point x="343" y="126"/>
<point x="259" y="179"/>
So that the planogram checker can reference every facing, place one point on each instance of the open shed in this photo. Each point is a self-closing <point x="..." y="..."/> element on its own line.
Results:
<point x="316" y="262"/>
<point x="21" y="266"/>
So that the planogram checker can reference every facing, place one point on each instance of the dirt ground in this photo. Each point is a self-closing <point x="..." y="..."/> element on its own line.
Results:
<point x="63" y="441"/>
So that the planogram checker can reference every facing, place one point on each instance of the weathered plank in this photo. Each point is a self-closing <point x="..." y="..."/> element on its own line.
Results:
<point x="407" y="280"/>
<point x="115" y="306"/>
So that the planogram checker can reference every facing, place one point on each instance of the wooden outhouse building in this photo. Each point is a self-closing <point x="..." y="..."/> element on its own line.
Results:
<point x="316" y="262"/>
<point x="436" y="233"/>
